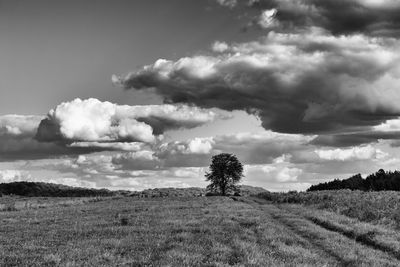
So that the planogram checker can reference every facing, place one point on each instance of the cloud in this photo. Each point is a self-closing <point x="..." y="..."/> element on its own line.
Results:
<point x="354" y="153"/>
<point x="280" y="170"/>
<point x="227" y="3"/>
<point x="372" y="17"/>
<point x="261" y="148"/>
<point x="141" y="160"/>
<point x="197" y="152"/>
<point x="122" y="146"/>
<point x="250" y="148"/>
<point x="91" y="120"/>
<point x="86" y="126"/>
<point x="219" y="47"/>
<point x="280" y="175"/>
<point x="200" y="146"/>
<point x="389" y="126"/>
<point x="19" y="125"/>
<point x="173" y="177"/>
<point x="104" y="170"/>
<point x="358" y="138"/>
<point x="8" y="176"/>
<point x="17" y="141"/>
<point x="267" y="18"/>
<point x="310" y="83"/>
<point x="288" y="174"/>
<point x="278" y="162"/>
<point x="192" y="146"/>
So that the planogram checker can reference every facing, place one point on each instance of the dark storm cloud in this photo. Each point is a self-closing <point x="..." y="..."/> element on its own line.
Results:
<point x="261" y="148"/>
<point x="377" y="18"/>
<point x="296" y="83"/>
<point x="354" y="139"/>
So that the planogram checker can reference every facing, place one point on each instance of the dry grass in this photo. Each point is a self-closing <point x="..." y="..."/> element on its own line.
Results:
<point x="195" y="231"/>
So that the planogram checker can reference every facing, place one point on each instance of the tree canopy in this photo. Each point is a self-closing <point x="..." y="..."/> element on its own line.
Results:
<point x="378" y="181"/>
<point x="225" y="171"/>
<point x="39" y="189"/>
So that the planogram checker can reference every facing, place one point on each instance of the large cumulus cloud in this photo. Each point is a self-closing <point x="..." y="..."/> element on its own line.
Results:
<point x="18" y="141"/>
<point x="311" y="82"/>
<point x="86" y="126"/>
<point x="91" y="120"/>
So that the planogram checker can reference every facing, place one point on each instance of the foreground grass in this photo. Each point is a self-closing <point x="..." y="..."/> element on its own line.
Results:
<point x="196" y="231"/>
<point x="380" y="208"/>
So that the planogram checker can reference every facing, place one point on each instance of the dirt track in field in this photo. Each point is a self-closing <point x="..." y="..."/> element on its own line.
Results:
<point x="340" y="247"/>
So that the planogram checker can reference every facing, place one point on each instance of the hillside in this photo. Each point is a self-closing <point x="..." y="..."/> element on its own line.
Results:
<point x="245" y="190"/>
<point x="39" y="189"/>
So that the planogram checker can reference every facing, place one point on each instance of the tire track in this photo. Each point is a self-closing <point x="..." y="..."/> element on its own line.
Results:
<point x="312" y="239"/>
<point x="293" y="225"/>
<point x="365" y="239"/>
<point x="323" y="237"/>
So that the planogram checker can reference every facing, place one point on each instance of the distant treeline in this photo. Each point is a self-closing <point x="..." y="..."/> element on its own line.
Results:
<point x="38" y="189"/>
<point x="378" y="181"/>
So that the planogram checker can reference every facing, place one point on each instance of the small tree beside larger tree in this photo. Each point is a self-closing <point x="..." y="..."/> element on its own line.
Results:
<point x="225" y="171"/>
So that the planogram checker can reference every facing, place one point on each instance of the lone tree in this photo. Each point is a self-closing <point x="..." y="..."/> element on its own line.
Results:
<point x="225" y="171"/>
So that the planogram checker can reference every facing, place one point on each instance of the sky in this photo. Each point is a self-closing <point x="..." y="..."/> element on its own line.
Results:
<point x="141" y="94"/>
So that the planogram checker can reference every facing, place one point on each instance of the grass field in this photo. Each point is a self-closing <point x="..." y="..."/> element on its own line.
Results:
<point x="190" y="231"/>
<point x="380" y="208"/>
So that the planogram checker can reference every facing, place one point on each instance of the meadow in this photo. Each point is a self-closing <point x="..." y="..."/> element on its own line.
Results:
<point x="193" y="231"/>
<point x="380" y="207"/>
